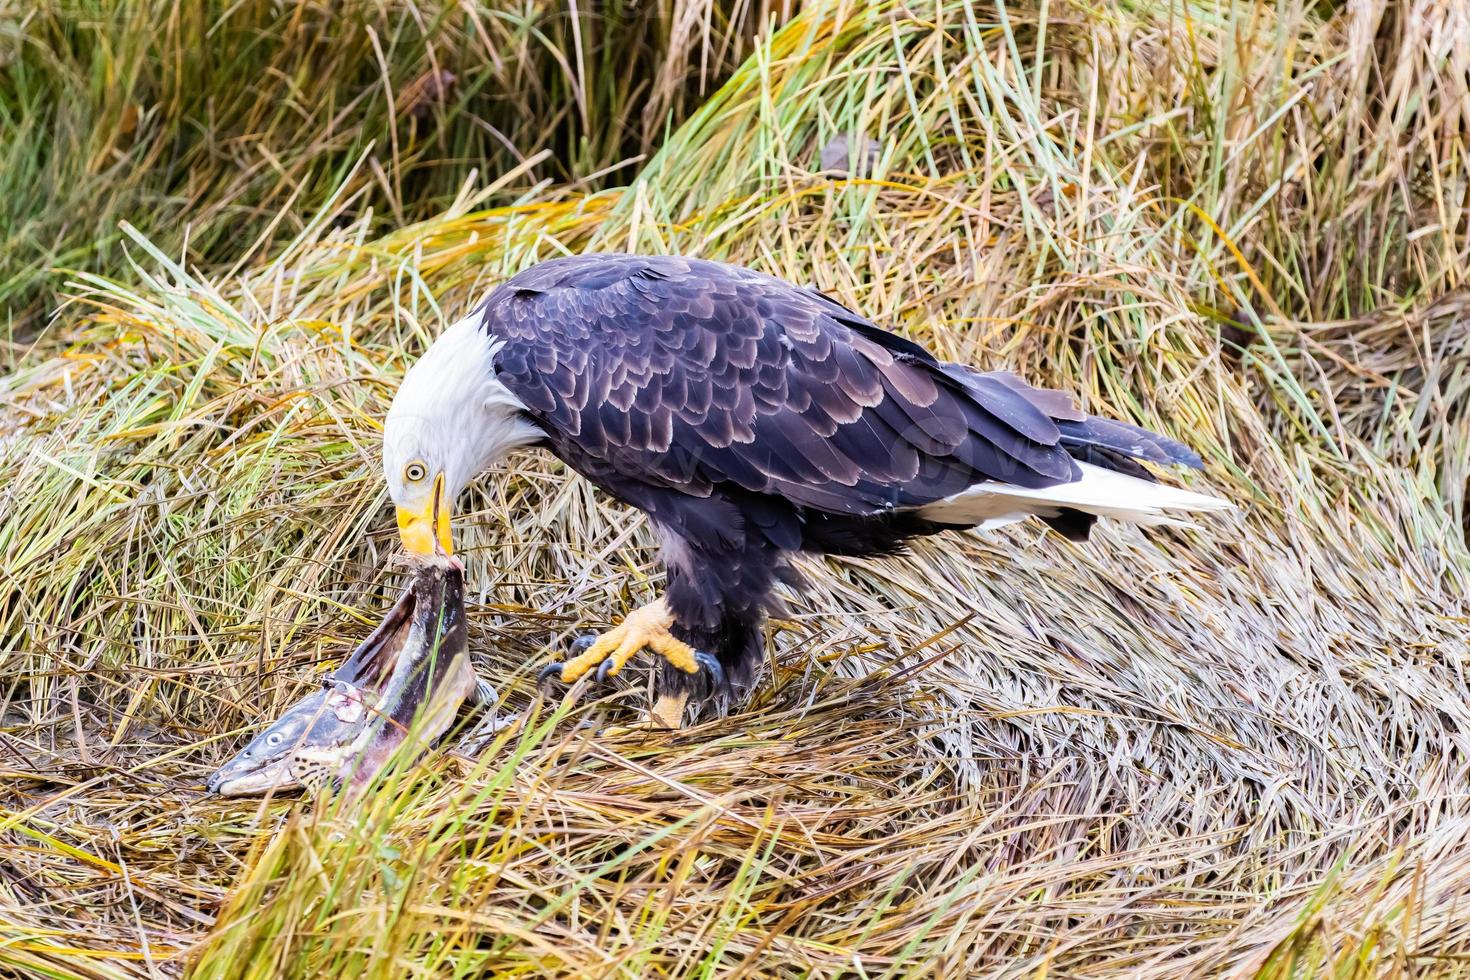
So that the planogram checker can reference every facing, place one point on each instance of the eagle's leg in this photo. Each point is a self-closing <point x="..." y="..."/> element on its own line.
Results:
<point x="645" y="628"/>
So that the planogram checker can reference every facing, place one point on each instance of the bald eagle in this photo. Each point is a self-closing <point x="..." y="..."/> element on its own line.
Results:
<point x="750" y="419"/>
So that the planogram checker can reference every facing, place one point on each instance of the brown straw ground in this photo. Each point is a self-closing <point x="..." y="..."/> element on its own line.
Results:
<point x="1237" y="749"/>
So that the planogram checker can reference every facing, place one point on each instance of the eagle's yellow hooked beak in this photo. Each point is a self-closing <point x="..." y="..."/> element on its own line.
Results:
<point x="426" y="532"/>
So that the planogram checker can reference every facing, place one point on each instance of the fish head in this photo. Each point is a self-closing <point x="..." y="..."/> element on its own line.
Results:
<point x="300" y="744"/>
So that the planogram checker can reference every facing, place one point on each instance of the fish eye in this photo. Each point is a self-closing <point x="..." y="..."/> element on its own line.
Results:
<point x="274" y="738"/>
<point x="415" y="472"/>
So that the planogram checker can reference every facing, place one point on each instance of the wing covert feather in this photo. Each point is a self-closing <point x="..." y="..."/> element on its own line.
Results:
<point x="691" y="375"/>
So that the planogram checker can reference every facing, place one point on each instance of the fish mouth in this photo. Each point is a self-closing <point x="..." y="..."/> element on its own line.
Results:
<point x="235" y="779"/>
<point x="404" y="683"/>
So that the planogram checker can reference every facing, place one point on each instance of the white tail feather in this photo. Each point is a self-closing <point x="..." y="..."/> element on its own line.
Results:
<point x="1103" y="492"/>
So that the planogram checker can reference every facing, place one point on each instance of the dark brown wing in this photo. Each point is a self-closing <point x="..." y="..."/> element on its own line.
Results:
<point x="692" y="375"/>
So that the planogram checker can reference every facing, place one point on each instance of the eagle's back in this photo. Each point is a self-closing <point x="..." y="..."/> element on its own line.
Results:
<point x="665" y="378"/>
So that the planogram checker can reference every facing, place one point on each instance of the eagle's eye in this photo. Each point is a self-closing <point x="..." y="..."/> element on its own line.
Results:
<point x="415" y="472"/>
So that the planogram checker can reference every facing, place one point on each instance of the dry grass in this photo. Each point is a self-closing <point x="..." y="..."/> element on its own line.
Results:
<point x="1240" y="749"/>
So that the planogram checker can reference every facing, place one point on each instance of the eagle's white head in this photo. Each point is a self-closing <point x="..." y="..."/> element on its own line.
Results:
<point x="451" y="418"/>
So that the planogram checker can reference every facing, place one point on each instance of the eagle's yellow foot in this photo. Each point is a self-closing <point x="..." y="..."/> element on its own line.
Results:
<point x="644" y="628"/>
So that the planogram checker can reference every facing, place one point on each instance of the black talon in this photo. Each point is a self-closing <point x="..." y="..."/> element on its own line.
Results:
<point x="549" y="676"/>
<point x="583" y="643"/>
<point x="710" y="667"/>
<point x="604" y="670"/>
